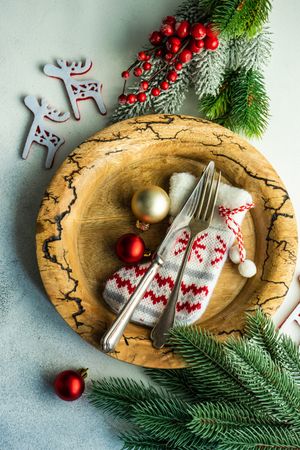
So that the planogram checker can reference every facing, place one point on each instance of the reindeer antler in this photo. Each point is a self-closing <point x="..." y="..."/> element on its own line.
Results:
<point x="77" y="67"/>
<point x="53" y="114"/>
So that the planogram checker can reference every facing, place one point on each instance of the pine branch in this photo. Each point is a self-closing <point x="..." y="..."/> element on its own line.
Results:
<point x="195" y="10"/>
<point x="208" y="69"/>
<point x="138" y="440"/>
<point x="291" y="357"/>
<point x="250" y="54"/>
<point x="237" y="18"/>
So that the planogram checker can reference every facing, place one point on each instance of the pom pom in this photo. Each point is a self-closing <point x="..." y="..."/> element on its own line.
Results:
<point x="234" y="254"/>
<point x="247" y="268"/>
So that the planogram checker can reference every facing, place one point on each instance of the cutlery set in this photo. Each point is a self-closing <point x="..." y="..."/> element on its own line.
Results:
<point x="196" y="215"/>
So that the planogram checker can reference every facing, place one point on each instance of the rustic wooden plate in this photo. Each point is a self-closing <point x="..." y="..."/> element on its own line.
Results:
<point x="86" y="208"/>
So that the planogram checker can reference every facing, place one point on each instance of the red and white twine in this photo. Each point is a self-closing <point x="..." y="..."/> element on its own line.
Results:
<point x="228" y="214"/>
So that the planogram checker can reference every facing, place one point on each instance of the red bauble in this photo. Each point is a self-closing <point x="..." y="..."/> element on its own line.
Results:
<point x="211" y="43"/>
<point x="167" y="29"/>
<point x="141" y="97"/>
<point x="144" y="85"/>
<point x="142" y="56"/>
<point x="69" y="385"/>
<point x="198" y="31"/>
<point x="122" y="99"/>
<point x="182" y="29"/>
<point x="193" y="46"/>
<point x="131" y="98"/>
<point x="178" y="66"/>
<point x="130" y="248"/>
<point x="170" y="19"/>
<point x="168" y="56"/>
<point x="211" y="31"/>
<point x="155" y="38"/>
<point x="172" y="76"/>
<point x="185" y="56"/>
<point x="164" y="85"/>
<point x="125" y="74"/>
<point x="173" y="44"/>
<point x="158" y="52"/>
<point x="138" y="71"/>
<point x="147" y="65"/>
<point x="155" y="92"/>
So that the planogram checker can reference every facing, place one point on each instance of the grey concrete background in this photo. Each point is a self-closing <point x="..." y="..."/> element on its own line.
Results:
<point x="35" y="343"/>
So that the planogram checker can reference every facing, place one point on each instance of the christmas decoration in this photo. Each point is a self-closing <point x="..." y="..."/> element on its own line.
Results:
<point x="40" y="133"/>
<point x="77" y="90"/>
<point x="240" y="394"/>
<point x="150" y="204"/>
<point x="223" y="48"/>
<point x="130" y="248"/>
<point x="203" y="268"/>
<point x="69" y="384"/>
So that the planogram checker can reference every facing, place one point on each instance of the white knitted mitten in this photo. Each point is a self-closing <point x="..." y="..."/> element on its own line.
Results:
<point x="208" y="255"/>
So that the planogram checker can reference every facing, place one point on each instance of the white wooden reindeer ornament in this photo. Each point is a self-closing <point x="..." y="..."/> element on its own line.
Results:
<point x="39" y="132"/>
<point x="77" y="90"/>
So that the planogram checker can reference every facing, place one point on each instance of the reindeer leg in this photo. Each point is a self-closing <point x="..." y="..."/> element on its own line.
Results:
<point x="99" y="101"/>
<point x="29" y="140"/>
<point x="75" y="107"/>
<point x="52" y="149"/>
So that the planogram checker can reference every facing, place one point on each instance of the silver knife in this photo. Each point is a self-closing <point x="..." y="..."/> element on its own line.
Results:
<point x="111" y="338"/>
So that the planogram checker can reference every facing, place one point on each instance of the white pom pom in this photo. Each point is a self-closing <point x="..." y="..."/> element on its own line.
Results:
<point x="247" y="268"/>
<point x="234" y="254"/>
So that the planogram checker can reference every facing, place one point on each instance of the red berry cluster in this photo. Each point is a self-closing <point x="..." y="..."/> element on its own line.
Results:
<point x="175" y="44"/>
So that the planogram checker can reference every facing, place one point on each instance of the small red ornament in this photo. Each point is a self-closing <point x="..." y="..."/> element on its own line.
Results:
<point x="193" y="46"/>
<point x="211" y="43"/>
<point x="168" y="56"/>
<point x="182" y="29"/>
<point x="172" y="76"/>
<point x="142" y="56"/>
<point x="198" y="31"/>
<point x="158" y="53"/>
<point x="147" y="65"/>
<point x="185" y="56"/>
<point x="69" y="384"/>
<point x="141" y="97"/>
<point x="211" y="31"/>
<point x="167" y="29"/>
<point x="122" y="99"/>
<point x="144" y="85"/>
<point x="130" y="248"/>
<point x="131" y="98"/>
<point x="156" y="38"/>
<point x="125" y="74"/>
<point x="178" y="66"/>
<point x="173" y="44"/>
<point x="170" y="19"/>
<point x="164" y="85"/>
<point x="155" y="92"/>
<point x="138" y="71"/>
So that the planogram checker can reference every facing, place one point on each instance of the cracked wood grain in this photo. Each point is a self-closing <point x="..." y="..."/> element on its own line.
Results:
<point x="77" y="225"/>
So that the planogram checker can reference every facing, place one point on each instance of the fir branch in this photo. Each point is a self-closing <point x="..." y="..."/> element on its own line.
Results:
<point x="208" y="69"/>
<point x="138" y="440"/>
<point x="290" y="357"/>
<point x="237" y="18"/>
<point x="250" y="53"/>
<point x="195" y="10"/>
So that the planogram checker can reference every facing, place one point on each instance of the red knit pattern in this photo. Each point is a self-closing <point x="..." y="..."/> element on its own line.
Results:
<point x="156" y="298"/>
<point x="221" y="250"/>
<point x="194" y="289"/>
<point x="123" y="283"/>
<point x="188" y="306"/>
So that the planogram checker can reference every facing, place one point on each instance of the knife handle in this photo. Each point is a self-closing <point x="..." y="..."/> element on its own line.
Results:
<point x="111" y="338"/>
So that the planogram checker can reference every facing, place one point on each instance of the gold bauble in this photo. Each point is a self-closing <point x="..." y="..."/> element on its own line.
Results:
<point x="150" y="204"/>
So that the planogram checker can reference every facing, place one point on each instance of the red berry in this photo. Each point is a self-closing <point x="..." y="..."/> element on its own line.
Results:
<point x="131" y="98"/>
<point x="182" y="29"/>
<point x="125" y="74"/>
<point x="167" y="29"/>
<point x="158" y="53"/>
<point x="147" y="65"/>
<point x="147" y="57"/>
<point x="211" y="31"/>
<point x="138" y="71"/>
<point x="170" y="19"/>
<point x="141" y="97"/>
<point x="194" y="47"/>
<point x="142" y="56"/>
<point x="155" y="38"/>
<point x="122" y="99"/>
<point x="155" y="91"/>
<point x="199" y="43"/>
<point x="173" y="44"/>
<point x="164" y="85"/>
<point x="144" y="85"/>
<point x="168" y="56"/>
<point x="185" y="56"/>
<point x="198" y="31"/>
<point x="178" y="66"/>
<point x="211" y="43"/>
<point x="172" y="76"/>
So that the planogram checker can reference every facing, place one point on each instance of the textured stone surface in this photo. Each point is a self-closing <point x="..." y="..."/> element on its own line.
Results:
<point x="35" y="341"/>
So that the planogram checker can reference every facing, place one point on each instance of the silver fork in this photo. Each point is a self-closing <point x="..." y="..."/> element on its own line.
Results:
<point x="201" y="221"/>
